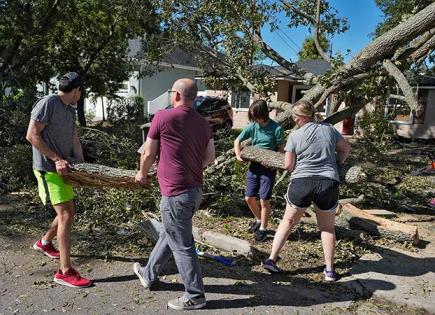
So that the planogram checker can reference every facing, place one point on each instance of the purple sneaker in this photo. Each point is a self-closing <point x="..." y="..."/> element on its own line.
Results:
<point x="330" y="275"/>
<point x="270" y="266"/>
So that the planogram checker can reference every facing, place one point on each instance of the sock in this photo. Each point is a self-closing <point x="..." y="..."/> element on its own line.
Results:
<point x="262" y="228"/>
<point x="258" y="221"/>
<point x="44" y="242"/>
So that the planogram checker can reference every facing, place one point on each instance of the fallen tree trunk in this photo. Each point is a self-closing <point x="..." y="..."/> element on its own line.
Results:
<point x="100" y="176"/>
<point x="379" y="226"/>
<point x="349" y="173"/>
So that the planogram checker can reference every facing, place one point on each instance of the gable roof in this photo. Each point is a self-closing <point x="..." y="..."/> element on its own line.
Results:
<point x="315" y="66"/>
<point x="176" y="56"/>
<point x="427" y="80"/>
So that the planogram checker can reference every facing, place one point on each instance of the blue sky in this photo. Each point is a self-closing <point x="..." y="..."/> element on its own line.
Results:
<point x="362" y="16"/>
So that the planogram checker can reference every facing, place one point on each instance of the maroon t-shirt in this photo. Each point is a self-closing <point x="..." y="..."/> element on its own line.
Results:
<point x="183" y="136"/>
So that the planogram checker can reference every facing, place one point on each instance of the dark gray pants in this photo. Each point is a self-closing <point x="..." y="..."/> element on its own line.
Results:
<point x="176" y="237"/>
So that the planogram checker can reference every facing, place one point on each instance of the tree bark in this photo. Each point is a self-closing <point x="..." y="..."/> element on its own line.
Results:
<point x="266" y="157"/>
<point x="424" y="50"/>
<point x="101" y="176"/>
<point x="381" y="48"/>
<point x="410" y="97"/>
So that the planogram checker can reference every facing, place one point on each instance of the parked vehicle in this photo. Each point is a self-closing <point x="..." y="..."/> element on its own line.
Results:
<point x="216" y="110"/>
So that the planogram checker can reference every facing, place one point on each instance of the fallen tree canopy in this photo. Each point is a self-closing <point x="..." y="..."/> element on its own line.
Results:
<point x="349" y="173"/>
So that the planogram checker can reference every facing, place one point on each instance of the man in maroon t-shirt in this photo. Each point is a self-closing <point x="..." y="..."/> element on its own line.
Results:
<point x="183" y="140"/>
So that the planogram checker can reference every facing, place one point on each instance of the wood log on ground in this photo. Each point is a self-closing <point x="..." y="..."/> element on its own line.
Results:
<point x="151" y="227"/>
<point x="100" y="176"/>
<point x="379" y="226"/>
<point x="349" y="173"/>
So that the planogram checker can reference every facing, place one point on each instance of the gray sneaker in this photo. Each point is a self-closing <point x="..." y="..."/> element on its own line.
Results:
<point x="182" y="303"/>
<point x="138" y="271"/>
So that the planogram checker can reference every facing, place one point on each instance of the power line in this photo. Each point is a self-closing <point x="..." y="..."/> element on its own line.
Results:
<point x="286" y="42"/>
<point x="291" y="40"/>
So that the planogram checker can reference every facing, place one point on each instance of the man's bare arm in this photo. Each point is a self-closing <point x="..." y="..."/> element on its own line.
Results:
<point x="147" y="159"/>
<point x="209" y="154"/>
<point x="77" y="148"/>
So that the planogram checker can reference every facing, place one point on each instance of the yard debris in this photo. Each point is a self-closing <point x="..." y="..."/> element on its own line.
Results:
<point x="151" y="227"/>
<point x="381" y="213"/>
<point x="379" y="226"/>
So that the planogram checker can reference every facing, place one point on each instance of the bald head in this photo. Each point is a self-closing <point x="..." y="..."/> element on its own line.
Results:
<point x="187" y="88"/>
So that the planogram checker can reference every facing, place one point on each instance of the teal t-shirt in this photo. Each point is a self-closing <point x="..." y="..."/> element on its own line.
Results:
<point x="268" y="137"/>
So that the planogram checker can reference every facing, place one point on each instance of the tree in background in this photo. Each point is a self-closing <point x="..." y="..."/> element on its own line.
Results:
<point x="44" y="39"/>
<point x="397" y="11"/>
<point x="309" y="50"/>
<point x="224" y="36"/>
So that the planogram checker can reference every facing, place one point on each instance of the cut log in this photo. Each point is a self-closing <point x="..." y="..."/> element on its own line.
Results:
<point x="349" y="173"/>
<point x="151" y="226"/>
<point x="269" y="158"/>
<point x="379" y="226"/>
<point x="100" y="176"/>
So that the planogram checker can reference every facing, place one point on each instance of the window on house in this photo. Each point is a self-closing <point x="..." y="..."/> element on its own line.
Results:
<point x="123" y="87"/>
<point x="241" y="99"/>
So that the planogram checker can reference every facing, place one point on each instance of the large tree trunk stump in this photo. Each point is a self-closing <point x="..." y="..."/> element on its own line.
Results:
<point x="378" y="226"/>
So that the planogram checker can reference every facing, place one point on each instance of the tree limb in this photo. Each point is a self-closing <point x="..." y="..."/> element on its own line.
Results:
<point x="347" y="112"/>
<point x="415" y="44"/>
<point x="219" y="59"/>
<point x="398" y="97"/>
<point x="298" y="11"/>
<point x="424" y="50"/>
<point x="338" y="86"/>
<point x="384" y="46"/>
<point x="274" y="55"/>
<point x="316" y="35"/>
<point x="403" y="83"/>
<point x="279" y="105"/>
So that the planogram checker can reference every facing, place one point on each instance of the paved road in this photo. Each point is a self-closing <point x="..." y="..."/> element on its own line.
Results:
<point x="26" y="285"/>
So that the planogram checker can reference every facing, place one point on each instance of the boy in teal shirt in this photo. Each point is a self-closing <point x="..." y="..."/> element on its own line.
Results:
<point x="267" y="134"/>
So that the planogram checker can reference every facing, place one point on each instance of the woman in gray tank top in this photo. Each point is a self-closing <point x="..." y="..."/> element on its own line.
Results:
<point x="310" y="154"/>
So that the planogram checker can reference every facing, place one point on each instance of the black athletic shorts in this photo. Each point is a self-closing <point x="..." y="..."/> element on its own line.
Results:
<point x="322" y="191"/>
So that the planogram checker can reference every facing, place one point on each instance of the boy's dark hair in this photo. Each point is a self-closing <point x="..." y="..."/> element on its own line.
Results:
<point x="258" y="109"/>
<point x="69" y="82"/>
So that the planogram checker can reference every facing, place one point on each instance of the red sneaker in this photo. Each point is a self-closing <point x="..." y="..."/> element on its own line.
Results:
<point x="47" y="250"/>
<point x="71" y="278"/>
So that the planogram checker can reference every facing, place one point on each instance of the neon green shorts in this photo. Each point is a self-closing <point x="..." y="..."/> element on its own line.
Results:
<point x="52" y="189"/>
